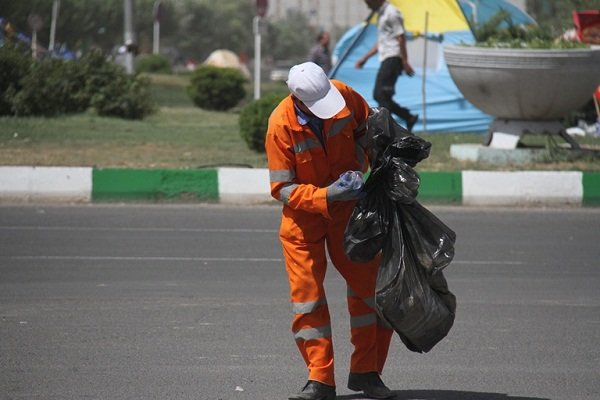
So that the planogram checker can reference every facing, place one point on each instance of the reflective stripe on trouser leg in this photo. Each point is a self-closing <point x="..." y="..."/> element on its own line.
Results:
<point x="306" y="265"/>
<point x="363" y="320"/>
<point x="316" y="347"/>
<point x="366" y="328"/>
<point x="371" y="340"/>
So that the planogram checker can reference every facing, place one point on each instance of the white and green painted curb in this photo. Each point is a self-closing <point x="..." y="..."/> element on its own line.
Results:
<point x="246" y="185"/>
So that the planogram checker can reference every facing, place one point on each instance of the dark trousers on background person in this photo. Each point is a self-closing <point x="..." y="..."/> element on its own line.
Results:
<point x="389" y="71"/>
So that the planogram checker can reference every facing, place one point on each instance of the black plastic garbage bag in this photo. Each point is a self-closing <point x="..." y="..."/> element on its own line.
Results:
<point x="368" y="227"/>
<point x="386" y="140"/>
<point x="415" y="303"/>
<point x="412" y="294"/>
<point x="431" y="240"/>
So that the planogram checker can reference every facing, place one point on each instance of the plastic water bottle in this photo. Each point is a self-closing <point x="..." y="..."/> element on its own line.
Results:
<point x="352" y="179"/>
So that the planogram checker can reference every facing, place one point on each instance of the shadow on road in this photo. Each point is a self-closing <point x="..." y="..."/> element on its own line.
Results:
<point x="444" y="395"/>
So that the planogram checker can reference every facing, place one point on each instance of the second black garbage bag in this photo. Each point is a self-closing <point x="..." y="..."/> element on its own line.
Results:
<point x="412" y="294"/>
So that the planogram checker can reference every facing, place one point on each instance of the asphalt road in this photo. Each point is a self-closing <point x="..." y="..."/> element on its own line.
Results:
<point x="191" y="302"/>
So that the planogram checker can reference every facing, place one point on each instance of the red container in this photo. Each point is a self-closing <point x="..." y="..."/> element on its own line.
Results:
<point x="587" y="25"/>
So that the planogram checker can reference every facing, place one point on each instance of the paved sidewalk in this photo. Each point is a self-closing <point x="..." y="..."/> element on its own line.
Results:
<point x="250" y="186"/>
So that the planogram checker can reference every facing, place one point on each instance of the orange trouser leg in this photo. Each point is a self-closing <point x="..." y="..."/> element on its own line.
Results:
<point x="384" y="338"/>
<point x="371" y="340"/>
<point x="306" y="265"/>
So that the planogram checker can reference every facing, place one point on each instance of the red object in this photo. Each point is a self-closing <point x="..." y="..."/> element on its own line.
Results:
<point x="261" y="7"/>
<point x="587" y="25"/>
<point x="597" y="93"/>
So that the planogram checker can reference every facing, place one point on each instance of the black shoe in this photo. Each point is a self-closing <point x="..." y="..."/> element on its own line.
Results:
<point x="411" y="122"/>
<point x="370" y="384"/>
<point x="314" y="390"/>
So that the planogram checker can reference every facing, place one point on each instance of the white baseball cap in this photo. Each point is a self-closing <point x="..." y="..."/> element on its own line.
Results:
<point x="309" y="83"/>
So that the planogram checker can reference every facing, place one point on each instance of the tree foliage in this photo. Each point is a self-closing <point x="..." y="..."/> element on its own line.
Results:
<point x="206" y="25"/>
<point x="189" y="28"/>
<point x="290" y="38"/>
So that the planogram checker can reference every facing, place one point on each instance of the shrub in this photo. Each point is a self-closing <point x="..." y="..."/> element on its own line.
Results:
<point x="113" y="92"/>
<point x="99" y="71"/>
<point x="254" y="118"/>
<point x="153" y="63"/>
<point x="51" y="87"/>
<point x="125" y="97"/>
<point x="14" y="65"/>
<point x="216" y="88"/>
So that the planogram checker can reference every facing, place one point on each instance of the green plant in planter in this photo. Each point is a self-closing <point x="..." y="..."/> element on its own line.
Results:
<point x="501" y="32"/>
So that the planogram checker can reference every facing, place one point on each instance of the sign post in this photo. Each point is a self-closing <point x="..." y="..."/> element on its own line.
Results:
<point x="158" y="16"/>
<point x="55" y="9"/>
<point x="35" y="23"/>
<point x="129" y="37"/>
<point x="261" y="11"/>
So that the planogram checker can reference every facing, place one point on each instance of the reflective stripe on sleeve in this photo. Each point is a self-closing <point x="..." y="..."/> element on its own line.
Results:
<point x="313" y="333"/>
<point x="286" y="191"/>
<point x="281" y="175"/>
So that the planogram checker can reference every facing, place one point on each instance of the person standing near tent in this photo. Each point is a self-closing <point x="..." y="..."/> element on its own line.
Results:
<point x="314" y="136"/>
<point x="319" y="53"/>
<point x="391" y="46"/>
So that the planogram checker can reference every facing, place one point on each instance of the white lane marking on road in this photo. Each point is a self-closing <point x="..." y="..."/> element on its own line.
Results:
<point x="222" y="259"/>
<point x="489" y="262"/>
<point x="133" y="258"/>
<point x="129" y="229"/>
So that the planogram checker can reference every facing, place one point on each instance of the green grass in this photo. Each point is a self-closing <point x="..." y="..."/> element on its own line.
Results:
<point x="180" y="135"/>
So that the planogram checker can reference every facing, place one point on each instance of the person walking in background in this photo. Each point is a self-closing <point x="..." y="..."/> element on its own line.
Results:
<point x="314" y="136"/>
<point x="391" y="46"/>
<point x="319" y="53"/>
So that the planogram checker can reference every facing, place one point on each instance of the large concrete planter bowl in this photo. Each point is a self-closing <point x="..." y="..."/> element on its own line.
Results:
<point x="524" y="84"/>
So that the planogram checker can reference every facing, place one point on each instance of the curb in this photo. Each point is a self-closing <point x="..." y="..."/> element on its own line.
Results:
<point x="251" y="186"/>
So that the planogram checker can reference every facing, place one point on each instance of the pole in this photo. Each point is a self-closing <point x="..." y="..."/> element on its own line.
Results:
<point x="352" y="44"/>
<point x="257" y="62"/>
<point x="158" y="14"/>
<point x="128" y="35"/>
<point x="55" y="9"/>
<point x="156" y="41"/>
<point x="34" y="44"/>
<point x="424" y="77"/>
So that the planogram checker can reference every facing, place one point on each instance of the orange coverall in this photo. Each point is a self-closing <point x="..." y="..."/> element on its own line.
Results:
<point x="300" y="169"/>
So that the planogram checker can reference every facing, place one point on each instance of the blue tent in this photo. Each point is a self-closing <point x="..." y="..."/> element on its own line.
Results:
<point x="446" y="110"/>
